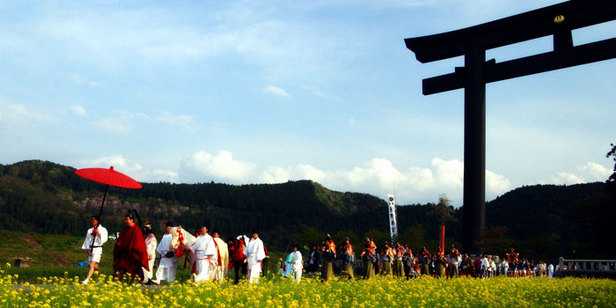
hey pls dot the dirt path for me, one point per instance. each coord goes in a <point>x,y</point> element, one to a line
<point>35,244</point>
<point>32,241</point>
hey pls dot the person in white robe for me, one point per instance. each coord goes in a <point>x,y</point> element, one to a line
<point>296,263</point>
<point>255,253</point>
<point>150,245</point>
<point>93,244</point>
<point>204,250</point>
<point>221,264</point>
<point>168,265</point>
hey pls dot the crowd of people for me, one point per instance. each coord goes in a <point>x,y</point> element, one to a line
<point>399,260</point>
<point>135,250</point>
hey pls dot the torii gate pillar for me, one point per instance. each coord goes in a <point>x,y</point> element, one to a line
<point>474,148</point>
<point>557,21</point>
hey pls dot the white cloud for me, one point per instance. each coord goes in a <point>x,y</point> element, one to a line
<point>184,121</point>
<point>563,178</point>
<point>449,173</point>
<point>16,120</point>
<point>276,91</point>
<point>377,176</point>
<point>594,172</point>
<point>221,166</point>
<point>496,184</point>
<point>588,172</point>
<point>82,80</point>
<point>19,112</point>
<point>160,175</point>
<point>317,92</point>
<point>274,175</point>
<point>114,125</point>
<point>78,110</point>
<point>120,122</point>
<point>120,164</point>
<point>309,172</point>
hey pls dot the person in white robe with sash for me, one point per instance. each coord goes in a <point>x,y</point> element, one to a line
<point>255,254</point>
<point>93,244</point>
<point>204,250</point>
<point>168,265</point>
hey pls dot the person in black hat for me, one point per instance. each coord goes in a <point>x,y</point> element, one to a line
<point>93,244</point>
<point>129,253</point>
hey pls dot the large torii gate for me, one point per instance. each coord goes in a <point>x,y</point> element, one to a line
<point>556,20</point>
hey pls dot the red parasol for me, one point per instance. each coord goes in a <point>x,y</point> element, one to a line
<point>108,177</point>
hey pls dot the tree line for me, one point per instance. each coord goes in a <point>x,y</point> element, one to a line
<point>44,197</point>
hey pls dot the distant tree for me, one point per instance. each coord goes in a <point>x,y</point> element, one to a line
<point>611,181</point>
<point>341,236</point>
<point>379,237</point>
<point>495,241</point>
<point>413,237</point>
<point>310,236</point>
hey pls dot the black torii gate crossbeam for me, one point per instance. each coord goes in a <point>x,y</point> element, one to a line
<point>558,21</point>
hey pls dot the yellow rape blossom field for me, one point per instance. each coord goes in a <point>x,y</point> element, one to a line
<point>378,292</point>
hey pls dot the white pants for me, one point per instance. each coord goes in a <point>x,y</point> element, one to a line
<point>297,272</point>
<point>147,275</point>
<point>96,257</point>
<point>203,270</point>
<point>166,273</point>
<point>254,270</point>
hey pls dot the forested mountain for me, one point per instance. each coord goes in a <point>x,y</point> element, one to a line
<point>543,221</point>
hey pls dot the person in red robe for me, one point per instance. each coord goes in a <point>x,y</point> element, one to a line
<point>130,253</point>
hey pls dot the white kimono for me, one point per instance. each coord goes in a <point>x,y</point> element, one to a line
<point>296,261</point>
<point>204,250</point>
<point>254,253</point>
<point>167,267</point>
<point>97,247</point>
<point>150,245</point>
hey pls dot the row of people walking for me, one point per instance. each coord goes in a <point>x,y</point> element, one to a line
<point>399,260</point>
<point>207,256</point>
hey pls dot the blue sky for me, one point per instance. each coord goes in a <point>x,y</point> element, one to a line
<point>246,92</point>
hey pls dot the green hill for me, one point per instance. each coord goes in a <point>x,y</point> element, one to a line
<point>543,221</point>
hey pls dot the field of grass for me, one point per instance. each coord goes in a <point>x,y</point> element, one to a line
<point>65,291</point>
<point>53,281</point>
<point>43,249</point>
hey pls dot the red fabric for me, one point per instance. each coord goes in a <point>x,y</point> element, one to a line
<point>109,177</point>
<point>217,252</point>
<point>130,252</point>
<point>181,250</point>
<point>236,250</point>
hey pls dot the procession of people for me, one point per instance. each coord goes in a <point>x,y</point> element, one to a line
<point>135,250</point>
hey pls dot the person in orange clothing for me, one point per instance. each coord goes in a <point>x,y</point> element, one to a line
<point>348,258</point>
<point>387,258</point>
<point>399,252</point>
<point>328,260</point>
<point>424,261</point>
<point>369,256</point>
<point>130,253</point>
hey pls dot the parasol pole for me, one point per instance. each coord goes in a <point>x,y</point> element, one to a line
<point>100,212</point>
